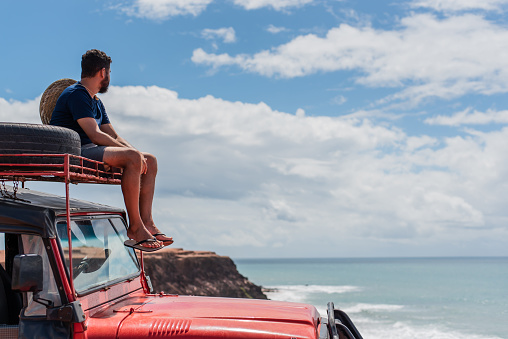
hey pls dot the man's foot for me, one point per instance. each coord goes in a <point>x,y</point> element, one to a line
<point>163,238</point>
<point>140,245</point>
<point>142,236</point>
<point>150,226</point>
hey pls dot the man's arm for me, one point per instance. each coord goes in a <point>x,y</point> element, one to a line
<point>102,137</point>
<point>98,137</point>
<point>109,130</point>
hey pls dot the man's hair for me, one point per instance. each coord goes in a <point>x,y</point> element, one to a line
<point>92,62</point>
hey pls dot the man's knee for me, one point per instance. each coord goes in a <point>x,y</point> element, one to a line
<point>135,157</point>
<point>128,158</point>
<point>151,162</point>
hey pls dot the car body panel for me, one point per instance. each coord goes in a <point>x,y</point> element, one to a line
<point>204,317</point>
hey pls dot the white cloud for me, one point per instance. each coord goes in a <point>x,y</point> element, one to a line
<point>460,5</point>
<point>19,111</point>
<point>227,34</point>
<point>429,57</point>
<point>275,4</point>
<point>275,30</point>
<point>339,100</point>
<point>470,117</point>
<point>213,116</point>
<point>256,172</point>
<point>258,180</point>
<point>164,9</point>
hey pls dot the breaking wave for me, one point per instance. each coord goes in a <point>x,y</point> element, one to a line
<point>300,293</point>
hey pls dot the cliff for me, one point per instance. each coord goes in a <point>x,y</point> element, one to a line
<point>174,270</point>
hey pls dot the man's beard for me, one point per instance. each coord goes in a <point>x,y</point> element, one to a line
<point>104,85</point>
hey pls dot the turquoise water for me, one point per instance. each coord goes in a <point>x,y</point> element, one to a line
<point>433,298</point>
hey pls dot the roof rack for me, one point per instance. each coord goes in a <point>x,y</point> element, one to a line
<point>62,168</point>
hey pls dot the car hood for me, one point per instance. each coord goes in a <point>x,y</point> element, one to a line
<point>207,317</point>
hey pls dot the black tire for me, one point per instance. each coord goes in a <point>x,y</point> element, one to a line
<point>18,138</point>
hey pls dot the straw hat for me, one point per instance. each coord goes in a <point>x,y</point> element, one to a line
<point>50,96</point>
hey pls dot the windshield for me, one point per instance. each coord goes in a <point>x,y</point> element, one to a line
<point>99,256</point>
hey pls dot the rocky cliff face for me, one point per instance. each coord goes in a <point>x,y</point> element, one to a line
<point>178,271</point>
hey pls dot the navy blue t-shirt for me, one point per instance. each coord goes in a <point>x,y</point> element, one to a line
<point>75,103</point>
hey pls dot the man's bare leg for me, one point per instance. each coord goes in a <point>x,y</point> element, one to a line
<point>146,198</point>
<point>131,162</point>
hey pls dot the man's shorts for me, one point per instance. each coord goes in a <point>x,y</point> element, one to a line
<point>92,151</point>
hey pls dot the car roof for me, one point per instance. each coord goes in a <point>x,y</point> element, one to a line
<point>37,212</point>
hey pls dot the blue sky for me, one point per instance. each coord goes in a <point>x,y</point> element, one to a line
<point>291,128</point>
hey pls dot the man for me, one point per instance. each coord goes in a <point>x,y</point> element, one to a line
<point>78,108</point>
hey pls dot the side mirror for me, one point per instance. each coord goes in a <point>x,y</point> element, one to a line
<point>27,273</point>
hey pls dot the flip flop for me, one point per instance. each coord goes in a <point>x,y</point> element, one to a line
<point>137,245</point>
<point>164,242</point>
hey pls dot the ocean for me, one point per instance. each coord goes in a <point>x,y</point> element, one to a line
<point>399,298</point>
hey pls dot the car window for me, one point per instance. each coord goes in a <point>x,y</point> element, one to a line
<point>99,256</point>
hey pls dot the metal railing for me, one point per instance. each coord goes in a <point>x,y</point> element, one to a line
<point>62,167</point>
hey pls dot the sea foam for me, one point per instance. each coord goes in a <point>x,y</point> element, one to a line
<point>300,293</point>
<point>372,308</point>
<point>374,330</point>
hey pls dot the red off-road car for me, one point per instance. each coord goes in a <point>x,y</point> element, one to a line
<point>67,273</point>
